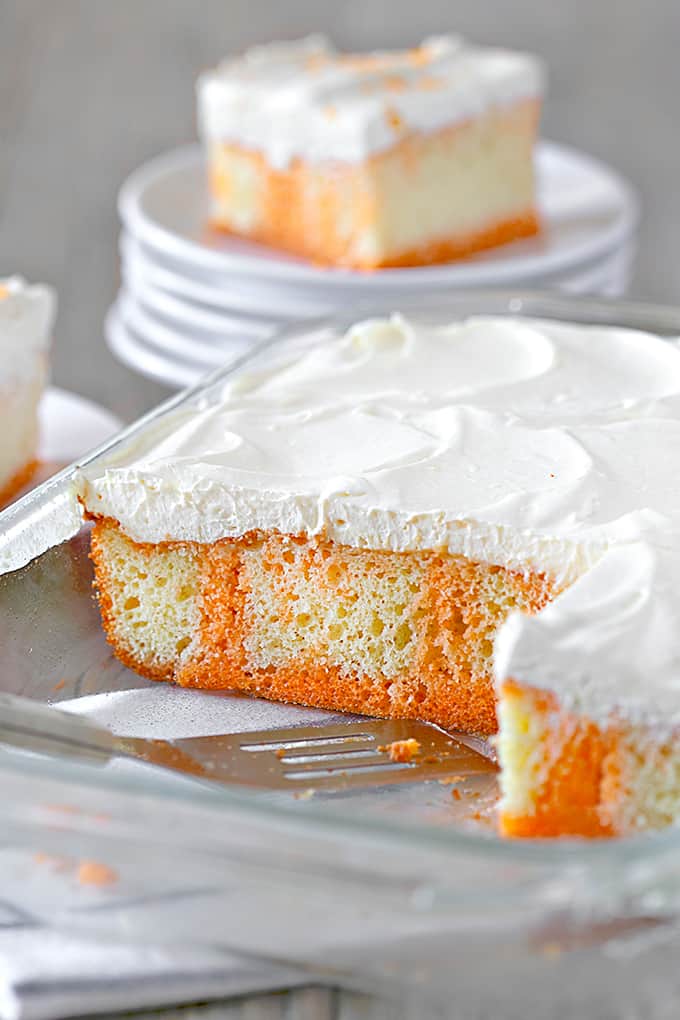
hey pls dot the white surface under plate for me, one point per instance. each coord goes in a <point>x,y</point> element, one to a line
<point>587,211</point>
<point>71,425</point>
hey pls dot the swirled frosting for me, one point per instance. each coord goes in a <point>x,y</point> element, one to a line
<point>303,99</point>
<point>26,315</point>
<point>516,441</point>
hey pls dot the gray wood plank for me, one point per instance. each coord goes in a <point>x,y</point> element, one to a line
<point>311,1004</point>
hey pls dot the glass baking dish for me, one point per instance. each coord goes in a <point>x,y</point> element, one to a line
<point>399,891</point>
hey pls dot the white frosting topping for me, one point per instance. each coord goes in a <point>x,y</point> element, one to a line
<point>26,317</point>
<point>515,440</point>
<point>303,99</point>
<point>526,443</point>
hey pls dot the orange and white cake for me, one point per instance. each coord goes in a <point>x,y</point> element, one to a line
<point>377,159</point>
<point>474,524</point>
<point>26,314</point>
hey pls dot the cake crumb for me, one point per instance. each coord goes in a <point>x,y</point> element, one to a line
<point>401,750</point>
<point>305,794</point>
<point>96,873</point>
<point>450,780</point>
<point>551,950</point>
<point>394,119</point>
<point>455,793</point>
<point>59,685</point>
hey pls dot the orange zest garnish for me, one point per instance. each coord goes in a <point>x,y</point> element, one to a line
<point>96,873</point>
<point>393,118</point>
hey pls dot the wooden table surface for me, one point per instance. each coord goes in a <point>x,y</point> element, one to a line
<point>303,1004</point>
<point>90,88</point>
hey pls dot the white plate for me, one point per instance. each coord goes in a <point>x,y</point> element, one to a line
<point>142,357</point>
<point>237,294</point>
<point>193,326</point>
<point>586,207</point>
<point>71,425</point>
<point>201,349</point>
<point>265,304</point>
<point>190,314</point>
<point>191,318</point>
<point>145,267</point>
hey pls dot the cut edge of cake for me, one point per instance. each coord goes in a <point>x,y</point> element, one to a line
<point>305,620</point>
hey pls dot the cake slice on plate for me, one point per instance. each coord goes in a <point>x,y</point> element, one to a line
<point>470,524</point>
<point>26,314</point>
<point>382,159</point>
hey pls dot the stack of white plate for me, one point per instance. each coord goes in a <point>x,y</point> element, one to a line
<point>191,299</point>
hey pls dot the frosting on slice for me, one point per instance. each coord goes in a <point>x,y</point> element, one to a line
<point>304,99</point>
<point>26,317</point>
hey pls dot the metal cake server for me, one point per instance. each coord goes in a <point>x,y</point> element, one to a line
<point>340,756</point>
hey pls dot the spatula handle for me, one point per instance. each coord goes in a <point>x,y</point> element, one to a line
<point>33,726</point>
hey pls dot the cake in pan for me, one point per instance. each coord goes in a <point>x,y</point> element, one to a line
<point>473,524</point>
<point>379,159</point>
<point>26,314</point>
